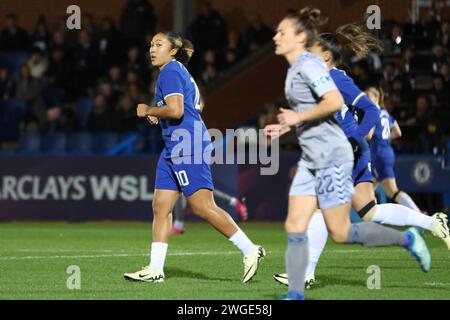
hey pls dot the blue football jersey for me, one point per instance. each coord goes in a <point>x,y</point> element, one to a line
<point>359,114</point>
<point>186,136</point>
<point>351,94</point>
<point>381,138</point>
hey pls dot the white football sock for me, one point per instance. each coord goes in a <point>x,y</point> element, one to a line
<point>243,243</point>
<point>317,238</point>
<point>405,200</point>
<point>158,255</point>
<point>398,215</point>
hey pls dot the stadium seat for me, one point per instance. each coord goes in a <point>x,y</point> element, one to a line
<point>10,118</point>
<point>13,61</point>
<point>83,107</point>
<point>5,153</point>
<point>54,143</point>
<point>79,143</point>
<point>104,141</point>
<point>30,144</point>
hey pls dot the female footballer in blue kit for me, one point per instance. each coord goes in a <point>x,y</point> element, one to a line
<point>383,157</point>
<point>323,179</point>
<point>356,102</point>
<point>183,165</point>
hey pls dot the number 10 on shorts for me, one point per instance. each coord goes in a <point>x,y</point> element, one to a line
<point>182,178</point>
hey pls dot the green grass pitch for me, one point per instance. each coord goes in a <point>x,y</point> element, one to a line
<point>201,264</point>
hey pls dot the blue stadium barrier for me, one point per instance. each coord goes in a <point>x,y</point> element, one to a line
<point>126,146</point>
<point>83,107</point>
<point>103,142</point>
<point>79,143</point>
<point>30,144</point>
<point>54,143</point>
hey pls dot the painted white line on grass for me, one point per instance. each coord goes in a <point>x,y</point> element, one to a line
<point>120,255</point>
<point>437,284</point>
<point>176,253</point>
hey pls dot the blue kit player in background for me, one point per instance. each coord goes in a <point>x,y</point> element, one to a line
<point>323,179</point>
<point>383,160</point>
<point>183,166</point>
<point>329,47</point>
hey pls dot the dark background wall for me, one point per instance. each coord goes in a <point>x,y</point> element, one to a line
<point>235,11</point>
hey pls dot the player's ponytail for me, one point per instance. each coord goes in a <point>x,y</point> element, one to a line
<point>308,20</point>
<point>357,39</point>
<point>351,37</point>
<point>185,53</point>
<point>185,48</point>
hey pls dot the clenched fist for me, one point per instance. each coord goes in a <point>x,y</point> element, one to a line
<point>142,110</point>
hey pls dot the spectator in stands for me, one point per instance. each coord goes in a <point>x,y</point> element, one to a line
<point>102,117</point>
<point>439,93</point>
<point>209,74</point>
<point>62,119</point>
<point>59,42</point>
<point>428,26</point>
<point>439,57</point>
<point>37,63</point>
<point>444,71</point>
<point>109,44</point>
<point>389,75</point>
<point>422,114</point>
<point>7,85</point>
<point>132,77</point>
<point>13,37</point>
<point>407,58</point>
<point>29,90</point>
<point>432,140</point>
<point>444,35</point>
<point>60,72</point>
<point>208,31</point>
<point>136,93</point>
<point>107,91</point>
<point>115,80</point>
<point>90,27</point>
<point>136,63</point>
<point>231,58</point>
<point>86,62</point>
<point>41,37</point>
<point>137,20</point>
<point>396,41</point>
<point>256,34</point>
<point>126,115</point>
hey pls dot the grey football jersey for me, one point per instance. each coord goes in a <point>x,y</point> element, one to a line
<point>322,141</point>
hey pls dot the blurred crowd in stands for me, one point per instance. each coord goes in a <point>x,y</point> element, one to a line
<point>413,71</point>
<point>58,80</point>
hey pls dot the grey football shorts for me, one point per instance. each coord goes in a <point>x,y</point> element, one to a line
<point>333,186</point>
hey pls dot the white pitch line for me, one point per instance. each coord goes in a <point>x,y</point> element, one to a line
<point>176,253</point>
<point>119,255</point>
